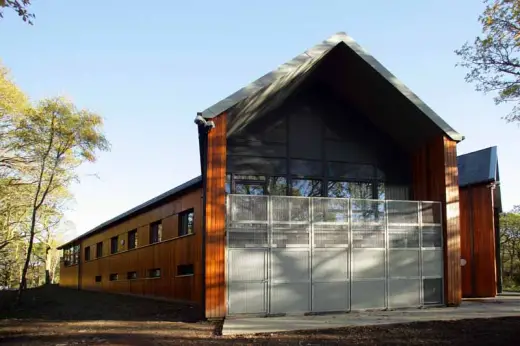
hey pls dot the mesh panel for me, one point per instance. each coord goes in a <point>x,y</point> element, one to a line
<point>368,228</point>
<point>287,209</point>
<point>431,212</point>
<point>248,208</point>
<point>403,212</point>
<point>330,210</point>
<point>247,235</point>
<point>432,236</point>
<point>405,237</point>
<point>290,235</point>
<point>327,235</point>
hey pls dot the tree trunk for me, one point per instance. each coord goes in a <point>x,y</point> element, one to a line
<point>48,261</point>
<point>23,281</point>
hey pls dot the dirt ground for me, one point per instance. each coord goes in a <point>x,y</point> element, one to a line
<point>57,316</point>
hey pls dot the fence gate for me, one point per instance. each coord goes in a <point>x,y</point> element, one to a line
<point>301,254</point>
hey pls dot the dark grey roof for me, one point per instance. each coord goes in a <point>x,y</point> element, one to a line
<point>283,76</point>
<point>176,190</point>
<point>478,167</point>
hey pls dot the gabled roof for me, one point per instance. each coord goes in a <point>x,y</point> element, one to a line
<point>478,167</point>
<point>140,208</point>
<point>289,73</point>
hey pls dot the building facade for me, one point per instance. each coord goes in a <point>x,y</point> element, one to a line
<point>326,185</point>
<point>480,207</point>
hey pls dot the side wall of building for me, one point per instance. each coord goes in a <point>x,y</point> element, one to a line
<point>478,241</point>
<point>68,275</point>
<point>436,179</point>
<point>99,273</point>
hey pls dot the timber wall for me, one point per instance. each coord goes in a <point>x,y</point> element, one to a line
<point>215,303</point>
<point>68,275</point>
<point>165,255</point>
<point>435,178</point>
<point>478,241</point>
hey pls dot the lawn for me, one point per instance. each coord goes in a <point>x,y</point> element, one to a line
<point>56,316</point>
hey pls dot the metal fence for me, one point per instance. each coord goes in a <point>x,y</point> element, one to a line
<point>300,254</point>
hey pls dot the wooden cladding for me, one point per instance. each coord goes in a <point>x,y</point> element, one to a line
<point>477,225</point>
<point>435,178</point>
<point>215,301</point>
<point>127,271</point>
<point>68,275</point>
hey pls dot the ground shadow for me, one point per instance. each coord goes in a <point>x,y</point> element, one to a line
<point>54,303</point>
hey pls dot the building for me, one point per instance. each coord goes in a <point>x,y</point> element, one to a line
<point>326,185</point>
<point>480,206</point>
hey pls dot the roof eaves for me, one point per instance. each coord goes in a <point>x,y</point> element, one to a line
<point>317,51</point>
<point>493,163</point>
<point>176,190</point>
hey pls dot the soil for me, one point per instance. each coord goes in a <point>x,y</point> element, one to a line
<point>52,315</point>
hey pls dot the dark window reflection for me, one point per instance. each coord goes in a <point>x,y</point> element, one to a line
<point>343,189</point>
<point>306,187</point>
<point>381,191</point>
<point>278,186</point>
<point>249,189</point>
<point>228,183</point>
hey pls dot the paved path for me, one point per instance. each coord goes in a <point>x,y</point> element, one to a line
<point>475,308</point>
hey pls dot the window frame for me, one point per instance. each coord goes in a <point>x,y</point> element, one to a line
<point>113,277</point>
<point>130,275</point>
<point>185,270</point>
<point>99,249</point>
<point>132,235</point>
<point>87,253</point>
<point>155,232</point>
<point>183,219</point>
<point>154,270</point>
<point>100,277</point>
<point>114,245</point>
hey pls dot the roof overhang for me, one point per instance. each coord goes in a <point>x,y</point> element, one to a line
<point>193,183</point>
<point>268,91</point>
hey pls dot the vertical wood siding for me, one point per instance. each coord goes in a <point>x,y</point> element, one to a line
<point>435,177</point>
<point>165,255</point>
<point>478,241</point>
<point>215,220</point>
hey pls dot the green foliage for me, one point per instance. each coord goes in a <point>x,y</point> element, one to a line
<point>510,248</point>
<point>20,7</point>
<point>41,147</point>
<point>493,58</point>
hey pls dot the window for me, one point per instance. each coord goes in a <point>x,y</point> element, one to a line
<point>186,222</point>
<point>154,273</point>
<point>87,253</point>
<point>113,245</point>
<point>75,254</point>
<point>99,250</point>
<point>185,269</point>
<point>71,255</point>
<point>113,277</point>
<point>306,188</point>
<point>278,186</point>
<point>249,184</point>
<point>344,189</point>
<point>131,275</point>
<point>156,232</point>
<point>98,278</point>
<point>132,239</point>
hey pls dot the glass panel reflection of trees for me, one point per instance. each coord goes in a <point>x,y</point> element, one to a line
<point>303,187</point>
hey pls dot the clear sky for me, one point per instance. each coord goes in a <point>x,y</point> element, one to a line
<point>148,67</point>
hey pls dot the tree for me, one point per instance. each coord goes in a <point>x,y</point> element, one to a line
<point>55,138</point>
<point>493,58</point>
<point>510,247</point>
<point>20,7</point>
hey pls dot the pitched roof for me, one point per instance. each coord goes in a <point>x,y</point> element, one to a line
<point>478,167</point>
<point>170,193</point>
<point>295,69</point>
